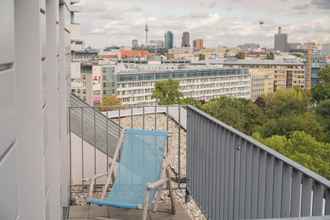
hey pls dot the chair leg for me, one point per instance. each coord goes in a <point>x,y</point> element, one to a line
<point>108,212</point>
<point>88,211</point>
<point>146,205</point>
<point>173,210</point>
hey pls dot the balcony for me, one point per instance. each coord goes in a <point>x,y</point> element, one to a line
<point>217,172</point>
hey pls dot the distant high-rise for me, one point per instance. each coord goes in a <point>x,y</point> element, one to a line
<point>198,44</point>
<point>185,39</point>
<point>281,41</point>
<point>135,44</point>
<point>169,40</point>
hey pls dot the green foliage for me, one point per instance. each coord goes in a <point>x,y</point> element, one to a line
<point>322,90</point>
<point>201,57</point>
<point>286,102</point>
<point>241,114</point>
<point>167,92</point>
<point>286,125</point>
<point>241,55</point>
<point>302,148</point>
<point>270,56</point>
<point>287,121</point>
<point>109,102</point>
<point>191,101</point>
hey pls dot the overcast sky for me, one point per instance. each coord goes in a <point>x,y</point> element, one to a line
<point>221,22</point>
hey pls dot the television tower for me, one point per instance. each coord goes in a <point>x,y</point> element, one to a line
<point>146,29</point>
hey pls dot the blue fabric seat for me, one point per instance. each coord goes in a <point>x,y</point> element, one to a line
<point>140,163</point>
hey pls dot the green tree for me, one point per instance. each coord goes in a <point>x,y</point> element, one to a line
<point>270,56</point>
<point>109,102</point>
<point>302,148</point>
<point>241,55</point>
<point>241,114</point>
<point>322,90</point>
<point>201,56</point>
<point>287,125</point>
<point>167,92</point>
<point>286,102</point>
<point>191,101</point>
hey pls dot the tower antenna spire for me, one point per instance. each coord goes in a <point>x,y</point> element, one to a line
<point>146,29</point>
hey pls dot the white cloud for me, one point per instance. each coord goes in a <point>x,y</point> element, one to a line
<point>225,22</point>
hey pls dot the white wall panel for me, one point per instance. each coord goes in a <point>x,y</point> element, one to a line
<point>7,109</point>
<point>8,190</point>
<point>7,31</point>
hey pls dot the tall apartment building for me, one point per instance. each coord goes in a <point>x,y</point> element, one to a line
<point>313,65</point>
<point>135,44</point>
<point>281,41</point>
<point>198,44</point>
<point>185,42</point>
<point>169,40</point>
<point>34,87</point>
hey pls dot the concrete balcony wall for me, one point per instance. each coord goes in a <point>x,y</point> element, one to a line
<point>33,116</point>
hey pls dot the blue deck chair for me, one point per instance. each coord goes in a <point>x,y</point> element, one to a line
<point>141,172</point>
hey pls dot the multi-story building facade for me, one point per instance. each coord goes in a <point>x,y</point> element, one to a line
<point>198,44</point>
<point>313,65</point>
<point>185,41</point>
<point>135,44</point>
<point>287,73</point>
<point>180,54</point>
<point>262,82</point>
<point>169,40</point>
<point>202,83</point>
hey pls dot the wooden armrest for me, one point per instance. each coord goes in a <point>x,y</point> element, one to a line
<point>157,184</point>
<point>97,176</point>
<point>92,180</point>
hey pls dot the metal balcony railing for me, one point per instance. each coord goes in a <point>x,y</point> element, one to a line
<point>231,176</point>
<point>94,136</point>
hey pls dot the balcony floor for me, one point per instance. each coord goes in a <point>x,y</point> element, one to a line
<point>98,213</point>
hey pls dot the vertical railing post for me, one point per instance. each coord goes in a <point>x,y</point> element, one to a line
<point>70,157</point>
<point>167,128</point>
<point>82,148</point>
<point>143,117</point>
<point>118,121</point>
<point>94,124</point>
<point>179,144</point>
<point>131,116</point>
<point>327,202</point>
<point>107,142</point>
<point>155,117</point>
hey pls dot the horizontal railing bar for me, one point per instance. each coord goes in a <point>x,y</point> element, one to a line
<point>263,147</point>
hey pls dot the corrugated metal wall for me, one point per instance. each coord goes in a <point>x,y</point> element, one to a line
<point>231,176</point>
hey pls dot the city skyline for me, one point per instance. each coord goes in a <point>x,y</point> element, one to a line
<point>224,22</point>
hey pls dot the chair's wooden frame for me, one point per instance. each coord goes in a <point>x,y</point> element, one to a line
<point>158,185</point>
